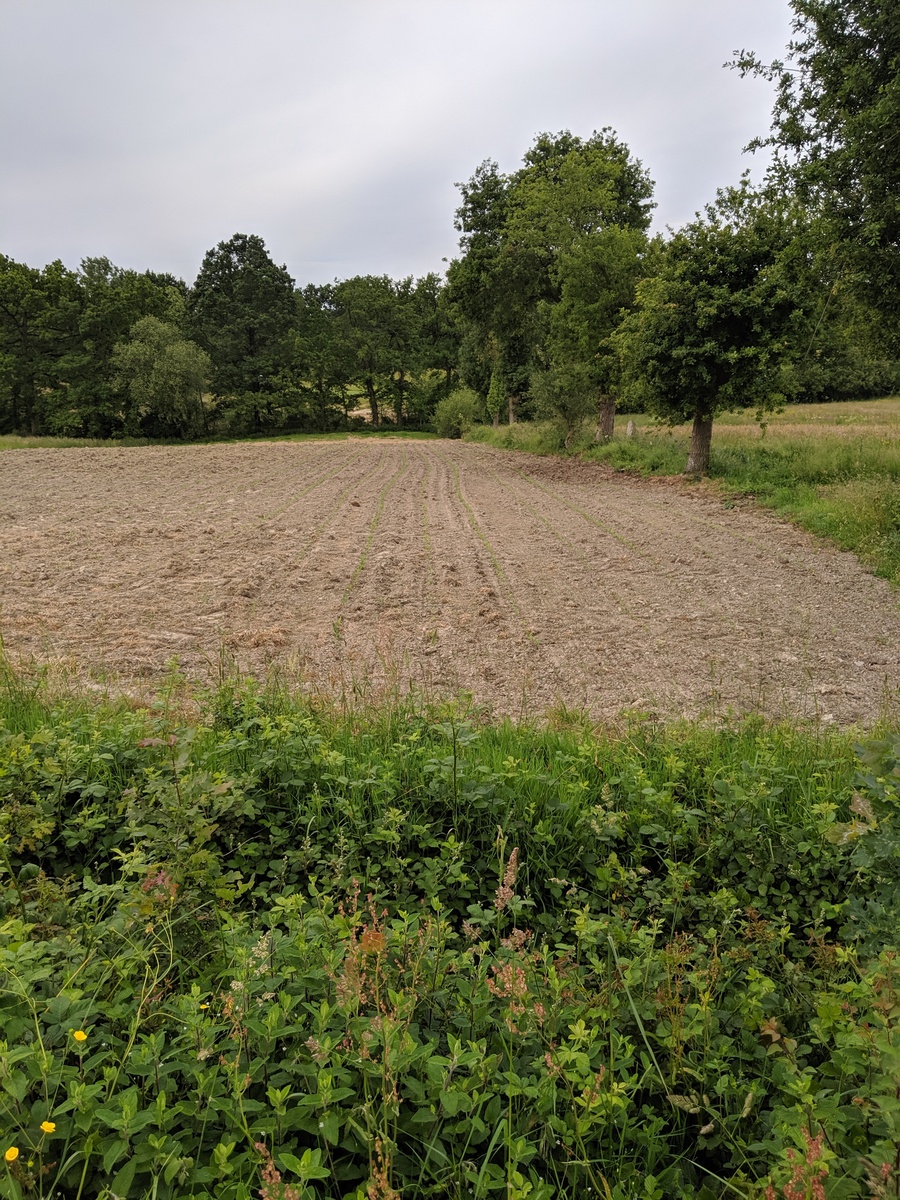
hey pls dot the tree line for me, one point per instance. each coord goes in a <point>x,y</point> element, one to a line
<point>560,304</point>
<point>106,352</point>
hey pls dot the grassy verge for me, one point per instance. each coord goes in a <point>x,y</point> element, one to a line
<point>11,441</point>
<point>301,952</point>
<point>832,468</point>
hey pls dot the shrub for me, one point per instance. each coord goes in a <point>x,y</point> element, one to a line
<point>290,952</point>
<point>457,413</point>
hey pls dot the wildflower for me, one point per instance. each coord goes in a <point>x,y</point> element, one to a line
<point>204,1006</point>
<point>273,1188</point>
<point>48,1126</point>
<point>79,1035</point>
<point>11,1154</point>
<point>372,941</point>
<point>506,890</point>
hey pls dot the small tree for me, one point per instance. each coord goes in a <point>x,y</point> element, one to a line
<point>162,374</point>
<point>712,330</point>
<point>565,395</point>
<point>495,397</point>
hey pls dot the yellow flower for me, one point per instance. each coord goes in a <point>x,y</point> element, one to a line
<point>48,1126</point>
<point>79,1035</point>
<point>12,1154</point>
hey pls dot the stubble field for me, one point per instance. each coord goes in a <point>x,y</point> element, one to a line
<point>361,565</point>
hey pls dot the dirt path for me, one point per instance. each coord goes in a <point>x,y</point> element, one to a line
<point>528,582</point>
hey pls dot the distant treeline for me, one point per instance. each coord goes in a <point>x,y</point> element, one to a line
<point>560,304</point>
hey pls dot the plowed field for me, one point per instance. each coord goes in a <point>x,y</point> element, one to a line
<point>530,583</point>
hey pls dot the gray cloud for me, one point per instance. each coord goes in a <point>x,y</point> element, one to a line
<point>151,130</point>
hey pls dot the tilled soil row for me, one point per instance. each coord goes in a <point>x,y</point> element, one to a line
<point>358,566</point>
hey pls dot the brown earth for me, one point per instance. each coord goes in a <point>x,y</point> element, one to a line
<point>530,583</point>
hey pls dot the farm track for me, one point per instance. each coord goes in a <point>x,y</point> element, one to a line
<point>364,565</point>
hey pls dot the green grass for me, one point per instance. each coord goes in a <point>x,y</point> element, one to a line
<point>401,947</point>
<point>834,469</point>
<point>11,441</point>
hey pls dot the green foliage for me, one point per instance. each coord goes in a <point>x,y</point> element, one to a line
<point>564,395</point>
<point>550,255</point>
<point>457,413</point>
<point>706,331</point>
<point>378,322</point>
<point>837,103</point>
<point>242,309</point>
<point>163,375</point>
<point>496,396</point>
<point>109,301</point>
<point>403,950</point>
<point>57,333</point>
<point>531,437</point>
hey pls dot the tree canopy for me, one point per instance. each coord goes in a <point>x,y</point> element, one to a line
<point>712,328</point>
<point>835,131</point>
<point>551,254</point>
<point>242,311</point>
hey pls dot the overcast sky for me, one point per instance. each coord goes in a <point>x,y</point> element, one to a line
<point>150,130</point>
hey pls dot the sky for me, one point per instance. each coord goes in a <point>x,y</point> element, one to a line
<point>149,131</point>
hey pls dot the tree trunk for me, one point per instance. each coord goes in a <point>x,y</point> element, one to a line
<point>398,411</point>
<point>496,420</point>
<point>513,401</point>
<point>606,418</point>
<point>373,402</point>
<point>701,436</point>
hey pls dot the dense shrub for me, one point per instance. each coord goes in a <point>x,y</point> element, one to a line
<point>457,413</point>
<point>407,954</point>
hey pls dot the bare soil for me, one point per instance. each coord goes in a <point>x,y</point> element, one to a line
<point>361,565</point>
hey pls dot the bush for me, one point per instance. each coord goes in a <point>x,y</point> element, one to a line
<point>457,413</point>
<point>301,953</point>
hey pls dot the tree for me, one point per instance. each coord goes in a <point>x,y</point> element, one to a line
<point>242,311</point>
<point>597,281</point>
<point>494,402</point>
<point>439,337</point>
<point>58,329</point>
<point>163,375</point>
<point>377,321</point>
<point>551,255</point>
<point>584,206</point>
<point>835,122</point>
<point>712,330</point>
<point>322,362</point>
<point>110,300</point>
<point>24,368</point>
<point>495,286</point>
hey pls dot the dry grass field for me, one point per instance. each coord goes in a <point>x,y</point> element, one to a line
<point>355,566</point>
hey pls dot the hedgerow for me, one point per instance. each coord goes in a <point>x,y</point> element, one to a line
<point>291,952</point>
